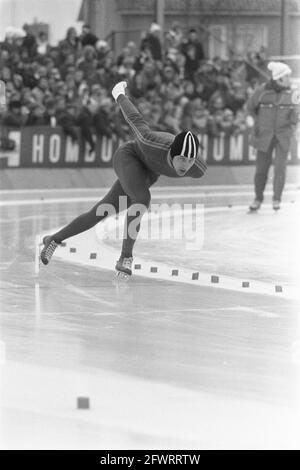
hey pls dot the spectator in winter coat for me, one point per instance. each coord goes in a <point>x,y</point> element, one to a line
<point>275,113</point>
<point>29,41</point>
<point>70,45</point>
<point>85,122</point>
<point>152,42</point>
<point>193,44</point>
<point>87,38</point>
<point>191,62</point>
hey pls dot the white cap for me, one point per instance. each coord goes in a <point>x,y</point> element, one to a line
<point>101,43</point>
<point>279,70</point>
<point>154,27</point>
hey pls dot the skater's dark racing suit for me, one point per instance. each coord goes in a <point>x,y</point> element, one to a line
<point>138,164</point>
<point>150,148</point>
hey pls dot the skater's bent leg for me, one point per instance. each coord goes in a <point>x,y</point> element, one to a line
<point>135,179</point>
<point>90,218</point>
<point>133,221</point>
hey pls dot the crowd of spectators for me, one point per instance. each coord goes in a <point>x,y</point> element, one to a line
<point>174,85</point>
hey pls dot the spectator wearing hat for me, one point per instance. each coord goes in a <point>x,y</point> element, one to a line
<point>152,42</point>
<point>102,49</point>
<point>275,116</point>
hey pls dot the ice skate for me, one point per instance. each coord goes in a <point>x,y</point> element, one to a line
<point>50,246</point>
<point>255,205</point>
<point>123,268</point>
<point>276,205</point>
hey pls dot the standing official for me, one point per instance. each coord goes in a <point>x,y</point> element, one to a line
<point>275,116</point>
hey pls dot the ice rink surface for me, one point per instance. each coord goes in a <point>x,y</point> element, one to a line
<point>168,360</point>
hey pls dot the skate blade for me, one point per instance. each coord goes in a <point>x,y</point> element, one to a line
<point>120,276</point>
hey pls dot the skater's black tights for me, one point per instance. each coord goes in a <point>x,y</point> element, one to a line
<point>133,183</point>
<point>102,209</point>
<point>90,218</point>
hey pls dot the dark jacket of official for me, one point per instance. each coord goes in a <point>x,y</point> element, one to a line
<point>275,115</point>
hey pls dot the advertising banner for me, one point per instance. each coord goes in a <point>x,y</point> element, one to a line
<point>48,147</point>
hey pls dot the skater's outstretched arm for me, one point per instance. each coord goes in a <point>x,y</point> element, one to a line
<point>130,112</point>
<point>140,128</point>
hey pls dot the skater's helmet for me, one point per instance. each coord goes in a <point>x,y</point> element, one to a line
<point>185,144</point>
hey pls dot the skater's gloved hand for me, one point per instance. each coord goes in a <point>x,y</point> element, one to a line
<point>119,89</point>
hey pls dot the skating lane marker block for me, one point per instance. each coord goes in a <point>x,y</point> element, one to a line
<point>153,269</point>
<point>278,288</point>
<point>214,279</point>
<point>174,272</point>
<point>195,276</point>
<point>83,403</point>
<point>93,255</point>
<point>72,250</point>
<point>63,244</point>
<point>245,284</point>
<point>137,266</point>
